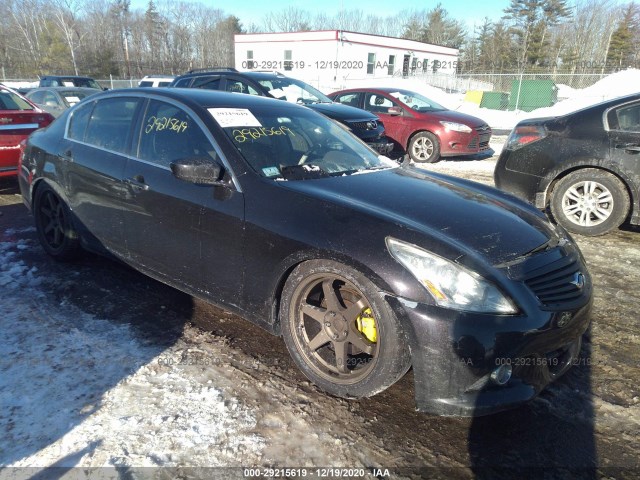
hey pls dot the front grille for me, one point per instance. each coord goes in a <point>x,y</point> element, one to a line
<point>557,283</point>
<point>368,125</point>
<point>481,142</point>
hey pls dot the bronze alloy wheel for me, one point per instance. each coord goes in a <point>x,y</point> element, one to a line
<point>328,309</point>
<point>340,330</point>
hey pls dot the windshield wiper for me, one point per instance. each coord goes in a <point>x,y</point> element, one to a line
<point>302,172</point>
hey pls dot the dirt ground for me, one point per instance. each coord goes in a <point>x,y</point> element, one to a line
<point>586,425</point>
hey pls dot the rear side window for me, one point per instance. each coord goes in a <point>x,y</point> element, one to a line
<point>626,119</point>
<point>209,83</point>
<point>183,83</point>
<point>12,101</point>
<point>78,122</point>
<point>110,123</point>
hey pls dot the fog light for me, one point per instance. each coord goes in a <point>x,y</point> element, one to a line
<point>502,374</point>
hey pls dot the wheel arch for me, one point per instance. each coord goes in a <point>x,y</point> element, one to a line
<point>416,132</point>
<point>288,265</point>
<point>556,176</point>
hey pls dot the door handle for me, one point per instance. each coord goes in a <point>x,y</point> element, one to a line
<point>629,147</point>
<point>137,182</point>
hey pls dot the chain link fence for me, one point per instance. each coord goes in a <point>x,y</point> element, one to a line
<point>518,91</point>
<point>498,91</point>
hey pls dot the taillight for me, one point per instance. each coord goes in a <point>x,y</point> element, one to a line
<point>22,145</point>
<point>524,134</point>
<point>44,120</point>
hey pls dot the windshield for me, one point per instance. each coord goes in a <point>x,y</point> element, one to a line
<point>417,102</point>
<point>295,144</point>
<point>294,91</point>
<point>12,101</point>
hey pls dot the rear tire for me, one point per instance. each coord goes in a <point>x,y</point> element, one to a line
<point>590,202</point>
<point>53,224</point>
<point>324,308</point>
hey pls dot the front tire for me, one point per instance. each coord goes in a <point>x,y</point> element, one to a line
<point>424,147</point>
<point>53,224</point>
<point>590,202</point>
<point>340,332</point>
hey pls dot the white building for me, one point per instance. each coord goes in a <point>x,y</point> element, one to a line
<point>331,58</point>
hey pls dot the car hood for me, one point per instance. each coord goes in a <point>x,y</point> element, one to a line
<point>341,112</point>
<point>452,116</point>
<point>478,220</point>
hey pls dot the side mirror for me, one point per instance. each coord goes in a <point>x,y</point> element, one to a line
<point>394,111</point>
<point>198,170</point>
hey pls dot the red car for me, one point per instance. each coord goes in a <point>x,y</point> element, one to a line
<point>18,118</point>
<point>419,126</point>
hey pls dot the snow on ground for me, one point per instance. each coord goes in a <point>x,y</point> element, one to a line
<point>78,390</point>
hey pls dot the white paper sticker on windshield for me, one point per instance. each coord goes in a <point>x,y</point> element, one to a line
<point>234,117</point>
<point>68,83</point>
<point>73,100</point>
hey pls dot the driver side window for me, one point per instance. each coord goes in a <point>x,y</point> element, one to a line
<point>378,104</point>
<point>168,134</point>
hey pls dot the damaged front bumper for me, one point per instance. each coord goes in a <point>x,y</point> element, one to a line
<point>454,355</point>
<point>383,146</point>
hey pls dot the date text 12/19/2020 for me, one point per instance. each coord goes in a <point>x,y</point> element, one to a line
<point>419,65</point>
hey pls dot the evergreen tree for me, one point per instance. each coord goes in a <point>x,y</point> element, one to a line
<point>529,22</point>
<point>623,45</point>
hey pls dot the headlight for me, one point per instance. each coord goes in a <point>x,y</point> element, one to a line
<point>456,127</point>
<point>450,285</point>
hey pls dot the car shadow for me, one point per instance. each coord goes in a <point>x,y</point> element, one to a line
<point>71,333</point>
<point>551,437</point>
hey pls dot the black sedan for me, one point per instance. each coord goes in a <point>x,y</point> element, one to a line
<point>277,213</point>
<point>583,166</point>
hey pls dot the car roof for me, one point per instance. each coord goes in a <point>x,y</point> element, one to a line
<point>147,77</point>
<point>66,76</point>
<point>202,97</point>
<point>65,89</point>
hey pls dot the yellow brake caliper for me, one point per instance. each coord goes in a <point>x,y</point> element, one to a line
<point>367,325</point>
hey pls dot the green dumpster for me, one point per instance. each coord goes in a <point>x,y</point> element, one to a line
<point>495,100</point>
<point>532,94</point>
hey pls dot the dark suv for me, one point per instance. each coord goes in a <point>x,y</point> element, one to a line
<point>365,125</point>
